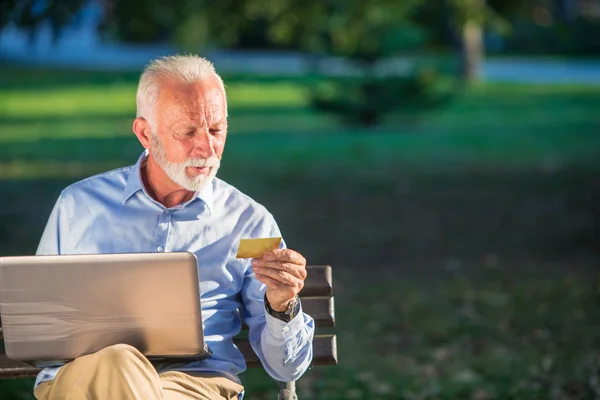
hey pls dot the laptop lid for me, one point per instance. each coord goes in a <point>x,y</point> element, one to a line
<point>57,308</point>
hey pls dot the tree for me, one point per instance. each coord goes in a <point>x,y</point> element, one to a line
<point>30,14</point>
<point>347,28</point>
<point>468,20</point>
<point>462,23</point>
<point>362,33</point>
<point>361,29</point>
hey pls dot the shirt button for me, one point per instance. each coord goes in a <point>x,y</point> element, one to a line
<point>168,212</point>
<point>159,248</point>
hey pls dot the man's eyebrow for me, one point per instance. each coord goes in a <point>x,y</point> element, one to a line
<point>219,122</point>
<point>182,125</point>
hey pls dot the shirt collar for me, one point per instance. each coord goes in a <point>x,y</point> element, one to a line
<point>134,184</point>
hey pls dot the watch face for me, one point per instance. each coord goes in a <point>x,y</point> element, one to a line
<point>293,307</point>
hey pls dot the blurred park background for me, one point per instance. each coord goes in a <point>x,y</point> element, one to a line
<point>442,155</point>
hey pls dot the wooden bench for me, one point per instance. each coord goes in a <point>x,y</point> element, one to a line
<point>317,301</point>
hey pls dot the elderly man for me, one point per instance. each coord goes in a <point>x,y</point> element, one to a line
<point>170,200</point>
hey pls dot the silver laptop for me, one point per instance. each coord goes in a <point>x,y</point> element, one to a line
<point>57,308</point>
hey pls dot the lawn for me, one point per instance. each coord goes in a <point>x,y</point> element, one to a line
<point>464,244</point>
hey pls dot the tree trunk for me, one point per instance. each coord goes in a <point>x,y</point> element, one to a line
<point>472,51</point>
<point>469,35</point>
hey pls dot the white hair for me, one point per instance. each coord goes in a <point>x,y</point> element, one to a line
<point>188,69</point>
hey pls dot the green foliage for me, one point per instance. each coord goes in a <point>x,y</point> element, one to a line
<point>363,33</point>
<point>479,12</point>
<point>444,19</point>
<point>355,29</point>
<point>366,101</point>
<point>575,38</point>
<point>364,30</point>
<point>144,21</point>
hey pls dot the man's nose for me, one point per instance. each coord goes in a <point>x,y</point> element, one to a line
<point>203,145</point>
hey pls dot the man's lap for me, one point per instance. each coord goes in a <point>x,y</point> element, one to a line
<point>175,386</point>
<point>121,372</point>
<point>181,386</point>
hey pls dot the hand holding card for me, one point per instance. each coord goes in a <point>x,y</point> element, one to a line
<point>283,271</point>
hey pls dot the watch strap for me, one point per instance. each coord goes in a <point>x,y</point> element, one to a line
<point>287,315</point>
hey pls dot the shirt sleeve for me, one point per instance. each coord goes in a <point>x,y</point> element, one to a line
<point>52,243</point>
<point>55,234</point>
<point>284,348</point>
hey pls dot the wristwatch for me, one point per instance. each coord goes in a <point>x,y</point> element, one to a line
<point>287,315</point>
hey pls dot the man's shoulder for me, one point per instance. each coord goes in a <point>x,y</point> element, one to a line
<point>232,197</point>
<point>105,182</point>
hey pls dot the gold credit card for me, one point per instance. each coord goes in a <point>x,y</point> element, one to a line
<point>255,248</point>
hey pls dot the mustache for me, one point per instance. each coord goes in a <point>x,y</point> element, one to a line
<point>212,162</point>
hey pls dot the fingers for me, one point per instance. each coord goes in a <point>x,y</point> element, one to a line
<point>285,260</point>
<point>298,271</point>
<point>285,255</point>
<point>269,282</point>
<point>280,283</point>
<point>280,276</point>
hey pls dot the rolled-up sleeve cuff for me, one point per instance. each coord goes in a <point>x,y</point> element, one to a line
<point>282,331</point>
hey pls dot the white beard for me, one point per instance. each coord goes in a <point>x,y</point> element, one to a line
<point>176,171</point>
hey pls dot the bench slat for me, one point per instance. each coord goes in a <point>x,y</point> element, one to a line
<point>318,281</point>
<point>15,369</point>
<point>321,309</point>
<point>324,348</point>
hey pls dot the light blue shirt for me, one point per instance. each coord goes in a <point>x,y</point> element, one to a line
<point>112,213</point>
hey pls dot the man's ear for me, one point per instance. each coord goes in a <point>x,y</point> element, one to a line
<point>142,130</point>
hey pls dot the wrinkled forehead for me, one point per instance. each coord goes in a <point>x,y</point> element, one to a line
<point>204,99</point>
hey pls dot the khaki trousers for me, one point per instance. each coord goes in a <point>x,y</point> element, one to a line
<point>121,372</point>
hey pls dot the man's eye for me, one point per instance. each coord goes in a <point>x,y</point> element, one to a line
<point>215,131</point>
<point>190,133</point>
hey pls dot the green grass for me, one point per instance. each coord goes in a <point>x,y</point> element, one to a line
<point>497,124</point>
<point>464,242</point>
<point>457,337</point>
